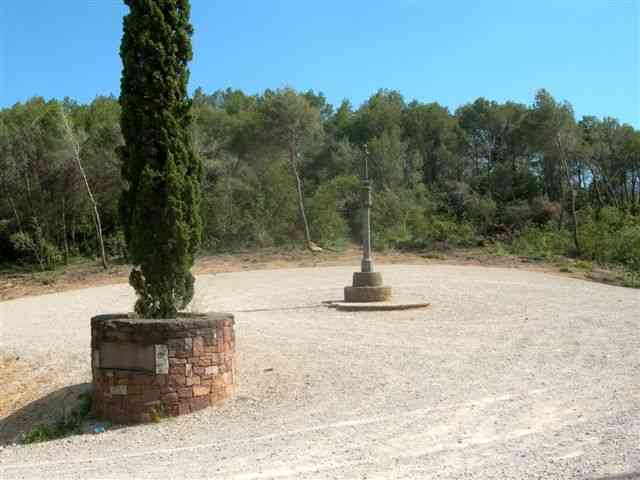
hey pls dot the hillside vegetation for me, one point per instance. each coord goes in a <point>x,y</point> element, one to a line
<point>284,167</point>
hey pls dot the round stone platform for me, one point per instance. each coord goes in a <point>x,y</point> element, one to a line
<point>376,306</point>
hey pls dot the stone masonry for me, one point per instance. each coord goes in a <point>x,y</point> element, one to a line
<point>147,369</point>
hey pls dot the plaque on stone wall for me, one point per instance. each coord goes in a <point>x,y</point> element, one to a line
<point>134,357</point>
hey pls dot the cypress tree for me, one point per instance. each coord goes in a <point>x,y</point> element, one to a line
<point>160,205</point>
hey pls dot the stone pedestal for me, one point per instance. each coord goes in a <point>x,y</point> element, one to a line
<point>144,369</point>
<point>367,287</point>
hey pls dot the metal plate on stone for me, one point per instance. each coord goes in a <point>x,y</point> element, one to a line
<point>128,356</point>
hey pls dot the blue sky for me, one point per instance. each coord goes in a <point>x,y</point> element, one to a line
<point>583,51</point>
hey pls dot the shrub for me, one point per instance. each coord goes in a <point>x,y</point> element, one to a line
<point>544,211</point>
<point>248,211</point>
<point>542,242</point>
<point>36,249</point>
<point>517,214</point>
<point>481,211</point>
<point>116,245</point>
<point>389,219</point>
<point>415,219</point>
<point>330,207</point>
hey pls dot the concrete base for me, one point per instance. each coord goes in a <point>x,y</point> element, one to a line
<point>376,306</point>
<point>367,279</point>
<point>367,294</point>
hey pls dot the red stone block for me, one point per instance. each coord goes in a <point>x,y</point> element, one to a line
<point>141,379</point>
<point>200,390</point>
<point>205,362</point>
<point>199,403</point>
<point>228,332</point>
<point>134,389</point>
<point>143,418</point>
<point>185,392</point>
<point>198,346</point>
<point>167,389</point>
<point>176,380</point>
<point>151,394</point>
<point>177,370</point>
<point>171,397</point>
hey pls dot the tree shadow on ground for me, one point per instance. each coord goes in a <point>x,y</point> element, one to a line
<point>45,410</point>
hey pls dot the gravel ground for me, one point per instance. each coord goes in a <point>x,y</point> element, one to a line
<point>509,374</point>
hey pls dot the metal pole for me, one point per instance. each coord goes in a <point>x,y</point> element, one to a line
<point>367,262</point>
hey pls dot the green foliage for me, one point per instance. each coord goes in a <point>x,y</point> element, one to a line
<point>248,210</point>
<point>416,219</point>
<point>502,173</point>
<point>611,236</point>
<point>331,206</point>
<point>116,245</point>
<point>36,248</point>
<point>387,159</point>
<point>160,206</point>
<point>542,242</point>
<point>481,211</point>
<point>64,426</point>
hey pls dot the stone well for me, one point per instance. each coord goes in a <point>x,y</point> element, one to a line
<point>146,369</point>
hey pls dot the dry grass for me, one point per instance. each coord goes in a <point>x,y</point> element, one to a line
<point>86,274</point>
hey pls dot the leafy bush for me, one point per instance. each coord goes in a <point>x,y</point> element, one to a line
<point>542,242</point>
<point>416,219</point>
<point>390,214</point>
<point>480,210</point>
<point>116,245</point>
<point>330,207</point>
<point>245,210</point>
<point>610,236</point>
<point>517,214</point>
<point>544,211</point>
<point>36,249</point>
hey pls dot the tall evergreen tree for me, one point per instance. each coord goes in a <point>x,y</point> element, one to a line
<point>161,203</point>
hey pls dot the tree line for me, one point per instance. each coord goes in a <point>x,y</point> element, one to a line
<point>283,167</point>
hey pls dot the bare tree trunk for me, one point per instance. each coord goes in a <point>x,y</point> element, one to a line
<point>74,244</point>
<point>38,249</point>
<point>562,208</point>
<point>303,215</point>
<point>574,222</point>
<point>76,152</point>
<point>64,233</point>
<point>15,212</point>
<point>574,215</point>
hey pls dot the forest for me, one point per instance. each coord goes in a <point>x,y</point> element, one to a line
<point>283,169</point>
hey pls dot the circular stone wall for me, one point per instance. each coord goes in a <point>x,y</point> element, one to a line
<point>144,370</point>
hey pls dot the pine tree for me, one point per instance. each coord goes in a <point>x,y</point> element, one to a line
<point>160,206</point>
